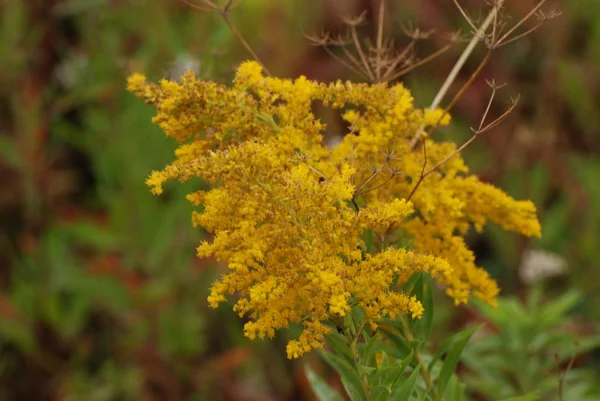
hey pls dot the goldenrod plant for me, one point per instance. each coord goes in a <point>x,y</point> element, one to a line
<point>346,240</point>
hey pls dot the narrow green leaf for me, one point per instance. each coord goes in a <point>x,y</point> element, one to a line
<point>358,318</point>
<point>459,343</point>
<point>350,378</point>
<point>427,301</point>
<point>269,120</point>
<point>321,389</point>
<point>449,342</point>
<point>455,391</point>
<point>422,289</point>
<point>553,312</point>
<point>400,344</point>
<point>390,375</point>
<point>403,391</point>
<point>365,370</point>
<point>369,349</point>
<point>339,345</point>
<point>368,238</point>
<point>380,393</point>
<point>411,282</point>
<point>459,392</point>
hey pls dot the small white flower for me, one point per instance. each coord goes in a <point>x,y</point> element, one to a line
<point>537,265</point>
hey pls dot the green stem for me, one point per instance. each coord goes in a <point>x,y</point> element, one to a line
<point>353,341</point>
<point>424,372</point>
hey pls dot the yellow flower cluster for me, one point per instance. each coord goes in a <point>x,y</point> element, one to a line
<point>289,214</point>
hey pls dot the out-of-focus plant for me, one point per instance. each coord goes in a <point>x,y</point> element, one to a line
<point>528,347</point>
<point>99,297</point>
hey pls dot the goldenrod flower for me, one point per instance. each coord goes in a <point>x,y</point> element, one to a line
<point>289,214</point>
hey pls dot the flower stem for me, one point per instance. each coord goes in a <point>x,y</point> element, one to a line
<point>353,341</point>
<point>424,372</point>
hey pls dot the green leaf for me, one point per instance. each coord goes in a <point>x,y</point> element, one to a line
<point>403,391</point>
<point>402,348</point>
<point>350,378</point>
<point>458,343</point>
<point>9,152</point>
<point>527,397</point>
<point>358,317</point>
<point>380,393</point>
<point>268,119</point>
<point>368,238</point>
<point>339,345</point>
<point>455,390</point>
<point>422,289</point>
<point>390,375</point>
<point>364,370</point>
<point>444,347</point>
<point>89,233</point>
<point>369,348</point>
<point>535,297</point>
<point>18,333</point>
<point>106,291</point>
<point>321,389</point>
<point>553,313</point>
<point>409,286</point>
<point>384,363</point>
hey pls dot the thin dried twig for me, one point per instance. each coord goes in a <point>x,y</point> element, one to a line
<point>376,61</point>
<point>237,33</point>
<point>422,175</point>
<point>373,175</point>
<point>361,53</point>
<point>562,375</point>
<point>465,55</point>
<point>476,133</point>
<point>392,176</point>
<point>343,62</point>
<point>325,40</point>
<point>520,35</point>
<point>460,63</point>
<point>454,100</point>
<point>494,87</point>
<point>498,120</point>
<point>465,15</point>
<point>419,63</point>
<point>518,24</point>
<point>224,13</point>
<point>399,58</point>
<point>318,172</point>
<point>356,62</point>
<point>208,5</point>
<point>542,17</point>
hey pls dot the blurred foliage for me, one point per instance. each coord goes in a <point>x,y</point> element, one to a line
<point>101,296</point>
<point>526,349</point>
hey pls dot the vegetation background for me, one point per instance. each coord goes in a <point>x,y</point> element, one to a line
<point>101,295</point>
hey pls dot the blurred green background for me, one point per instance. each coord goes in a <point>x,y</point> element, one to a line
<point>101,295</point>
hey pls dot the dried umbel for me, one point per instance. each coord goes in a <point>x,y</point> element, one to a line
<point>310,232</point>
